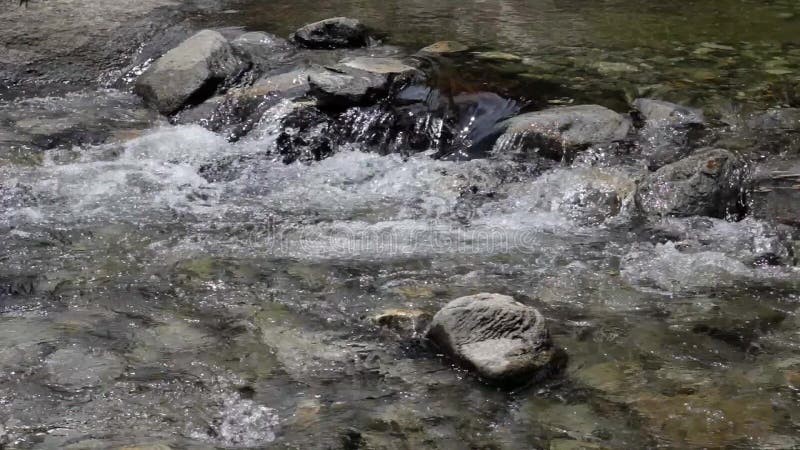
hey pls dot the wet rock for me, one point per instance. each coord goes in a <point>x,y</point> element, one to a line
<point>498,56</point>
<point>189,73</point>
<point>661,113</point>
<point>265,51</point>
<point>356,81</point>
<point>205,114</point>
<point>288,84</point>
<point>305,135</point>
<point>776,191</point>
<point>73,369</point>
<point>559,133</point>
<point>445,47</point>
<point>406,322</point>
<point>667,132</point>
<point>385,66</point>
<point>337,32</point>
<point>502,340</point>
<point>708,183</point>
<point>237,112</point>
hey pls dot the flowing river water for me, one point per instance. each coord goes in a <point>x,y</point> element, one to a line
<point>165,286</point>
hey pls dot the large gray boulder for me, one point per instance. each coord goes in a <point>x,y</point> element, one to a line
<point>502,340</point>
<point>667,132</point>
<point>355,81</point>
<point>189,73</point>
<point>560,132</point>
<point>337,32</point>
<point>708,183</point>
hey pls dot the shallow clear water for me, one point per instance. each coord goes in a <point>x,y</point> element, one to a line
<point>704,53</point>
<point>168,286</point>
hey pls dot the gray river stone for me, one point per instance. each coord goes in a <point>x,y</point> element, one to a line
<point>357,80</point>
<point>659,113</point>
<point>708,183</point>
<point>776,191</point>
<point>668,131</point>
<point>189,72</point>
<point>560,132</point>
<point>337,32</point>
<point>502,340</point>
<point>73,369</point>
<point>266,51</point>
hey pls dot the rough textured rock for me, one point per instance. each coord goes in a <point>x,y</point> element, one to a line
<point>776,191</point>
<point>445,47</point>
<point>356,81</point>
<point>668,132</point>
<point>501,339</point>
<point>189,73</point>
<point>708,183</point>
<point>559,133</point>
<point>337,32</point>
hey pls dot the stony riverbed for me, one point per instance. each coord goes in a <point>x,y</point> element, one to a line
<point>241,244</point>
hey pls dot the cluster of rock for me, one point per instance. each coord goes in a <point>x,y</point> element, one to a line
<point>389,104</point>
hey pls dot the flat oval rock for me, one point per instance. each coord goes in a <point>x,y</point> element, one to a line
<point>502,340</point>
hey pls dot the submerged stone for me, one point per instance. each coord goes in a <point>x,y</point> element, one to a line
<point>708,183</point>
<point>337,32</point>
<point>189,73</point>
<point>445,47</point>
<point>502,340</point>
<point>73,369</point>
<point>560,132</point>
